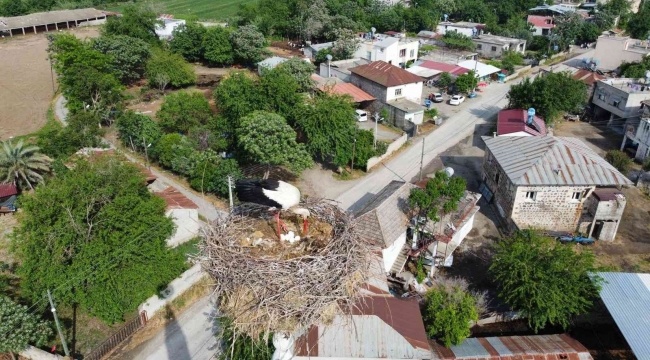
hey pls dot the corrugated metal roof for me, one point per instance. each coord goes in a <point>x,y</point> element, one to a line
<point>50,17</point>
<point>452,69</point>
<point>627,297</point>
<point>422,71</point>
<point>514,120</point>
<point>357,94</point>
<point>608,194</point>
<point>8,190</point>
<point>532,160</point>
<point>540,21</point>
<point>175,199</point>
<point>508,347</point>
<point>385,74</point>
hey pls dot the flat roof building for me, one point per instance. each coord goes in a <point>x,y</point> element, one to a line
<point>49,21</point>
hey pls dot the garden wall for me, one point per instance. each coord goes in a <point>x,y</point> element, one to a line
<point>517,72</point>
<point>175,288</point>
<point>373,161</point>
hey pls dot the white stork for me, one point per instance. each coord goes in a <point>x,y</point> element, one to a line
<point>276,194</point>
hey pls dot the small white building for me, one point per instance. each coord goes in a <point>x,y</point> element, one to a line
<point>492,46</point>
<point>542,25</point>
<point>393,50</point>
<point>269,63</point>
<point>620,99</point>
<point>169,25</point>
<point>464,27</point>
<point>612,51</point>
<point>639,134</point>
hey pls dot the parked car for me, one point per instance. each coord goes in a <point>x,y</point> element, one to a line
<point>579,239</point>
<point>361,115</point>
<point>456,100</point>
<point>437,97</point>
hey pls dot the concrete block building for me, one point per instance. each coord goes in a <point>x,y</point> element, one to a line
<point>492,46</point>
<point>464,27</point>
<point>394,50</point>
<point>553,183</point>
<point>619,99</point>
<point>612,51</point>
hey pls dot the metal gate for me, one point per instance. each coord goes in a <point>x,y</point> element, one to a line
<point>114,340</point>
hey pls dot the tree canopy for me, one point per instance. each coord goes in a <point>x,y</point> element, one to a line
<point>182,111</point>
<point>217,46</point>
<point>20,328</point>
<point>166,68</point>
<point>265,138</point>
<point>22,164</point>
<point>96,236</point>
<point>542,95</point>
<point>547,281</point>
<point>129,55</point>
<point>187,40</point>
<point>440,196</point>
<point>136,22</point>
<point>639,24</point>
<point>448,311</point>
<point>236,96</point>
<point>466,83</point>
<point>248,44</point>
<point>301,72</point>
<point>137,130</point>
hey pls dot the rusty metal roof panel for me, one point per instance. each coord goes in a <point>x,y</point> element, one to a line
<point>385,74</point>
<point>556,161</point>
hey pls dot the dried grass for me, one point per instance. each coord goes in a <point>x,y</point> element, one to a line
<point>278,287</point>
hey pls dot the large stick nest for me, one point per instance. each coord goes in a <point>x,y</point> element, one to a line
<point>266,285</point>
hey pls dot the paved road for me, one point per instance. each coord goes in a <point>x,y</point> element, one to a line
<point>406,165</point>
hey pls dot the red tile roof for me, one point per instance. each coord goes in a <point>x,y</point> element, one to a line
<point>8,190</point>
<point>588,77</point>
<point>175,199</point>
<point>348,89</point>
<point>540,21</point>
<point>452,69</point>
<point>385,74</point>
<point>514,120</point>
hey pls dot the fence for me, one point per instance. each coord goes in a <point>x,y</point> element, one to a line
<point>114,340</point>
<point>515,74</point>
<point>394,146</point>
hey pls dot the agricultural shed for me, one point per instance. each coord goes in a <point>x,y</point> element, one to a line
<point>49,21</point>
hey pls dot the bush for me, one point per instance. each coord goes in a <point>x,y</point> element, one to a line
<point>166,68</point>
<point>456,40</point>
<point>211,175</point>
<point>448,310</point>
<point>171,147</point>
<point>138,130</point>
<point>182,111</point>
<point>619,160</point>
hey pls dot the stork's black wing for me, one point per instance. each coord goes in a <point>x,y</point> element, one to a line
<point>252,190</point>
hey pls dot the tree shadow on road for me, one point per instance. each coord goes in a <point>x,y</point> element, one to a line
<point>175,341</point>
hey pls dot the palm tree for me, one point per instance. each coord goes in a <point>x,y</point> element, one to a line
<point>23,165</point>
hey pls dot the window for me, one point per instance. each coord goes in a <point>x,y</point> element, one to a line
<point>479,47</point>
<point>369,55</point>
<point>601,97</point>
<point>577,195</point>
<point>494,48</point>
<point>398,92</point>
<point>531,195</point>
<point>496,178</point>
<point>402,52</point>
<point>616,103</point>
<point>412,54</point>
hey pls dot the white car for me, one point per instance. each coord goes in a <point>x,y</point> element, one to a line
<point>361,115</point>
<point>456,100</point>
<point>437,97</point>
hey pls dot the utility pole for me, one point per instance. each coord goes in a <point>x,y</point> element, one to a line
<point>422,159</point>
<point>230,192</point>
<point>354,147</point>
<point>374,142</point>
<point>58,326</point>
<point>52,75</point>
<point>146,153</point>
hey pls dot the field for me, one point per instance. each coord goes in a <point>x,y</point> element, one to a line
<point>26,83</point>
<point>203,9</point>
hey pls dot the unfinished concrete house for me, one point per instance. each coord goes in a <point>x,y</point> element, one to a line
<point>554,184</point>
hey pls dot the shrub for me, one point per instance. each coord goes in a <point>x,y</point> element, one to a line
<point>212,176</point>
<point>166,68</point>
<point>619,160</point>
<point>137,130</point>
<point>170,147</point>
<point>182,111</point>
<point>447,313</point>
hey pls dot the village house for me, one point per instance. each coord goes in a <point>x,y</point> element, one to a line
<point>492,46</point>
<point>542,25</point>
<point>638,133</point>
<point>431,70</point>
<point>553,183</point>
<point>8,193</point>
<point>395,50</point>
<point>619,99</point>
<point>394,87</point>
<point>169,24</point>
<point>464,27</point>
<point>612,51</point>
<point>519,122</point>
<point>269,64</point>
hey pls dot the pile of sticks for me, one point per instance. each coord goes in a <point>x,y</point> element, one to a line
<point>269,294</point>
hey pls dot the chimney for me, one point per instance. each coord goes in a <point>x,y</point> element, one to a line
<point>494,134</point>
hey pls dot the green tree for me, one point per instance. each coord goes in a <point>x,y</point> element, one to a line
<point>235,346</point>
<point>447,314</point>
<point>265,138</point>
<point>639,25</point>
<point>466,83</point>
<point>236,96</point>
<point>166,68</point>
<point>20,328</point>
<point>135,22</point>
<point>96,235</point>
<point>171,147</point>
<point>635,70</point>
<point>604,19</point>
<point>209,137</point>
<point>445,80</point>
<point>129,55</point>
<point>301,71</point>
<point>13,8</point>
<point>248,44</point>
<point>23,165</point>
<point>615,7</point>
<point>329,126</point>
<point>187,40</point>
<point>209,173</point>
<point>346,44</point>
<point>546,281</point>
<point>278,92</point>
<point>83,130</point>
<point>542,95</point>
<point>137,130</point>
<point>456,40</point>
<point>589,32</point>
<point>217,46</point>
<point>440,196</point>
<point>183,110</point>
<point>568,28</point>
<point>619,159</point>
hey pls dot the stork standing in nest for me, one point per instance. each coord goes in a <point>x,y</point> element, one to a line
<point>276,194</point>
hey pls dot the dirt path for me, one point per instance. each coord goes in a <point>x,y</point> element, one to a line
<point>26,82</point>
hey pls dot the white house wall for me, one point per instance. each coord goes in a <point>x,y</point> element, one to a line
<point>391,253</point>
<point>442,29</point>
<point>411,92</point>
<point>187,225</point>
<point>518,133</point>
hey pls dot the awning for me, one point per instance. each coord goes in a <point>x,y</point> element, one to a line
<point>348,89</point>
<point>481,69</point>
<point>423,72</point>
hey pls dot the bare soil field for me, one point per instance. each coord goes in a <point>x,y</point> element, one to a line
<point>26,82</point>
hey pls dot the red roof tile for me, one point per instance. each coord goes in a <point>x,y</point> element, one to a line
<point>385,74</point>
<point>540,21</point>
<point>175,199</point>
<point>348,89</point>
<point>8,190</point>
<point>514,120</point>
<point>452,69</point>
<point>587,77</point>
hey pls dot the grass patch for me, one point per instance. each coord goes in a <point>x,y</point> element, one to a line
<point>201,9</point>
<point>189,249</point>
<point>346,174</point>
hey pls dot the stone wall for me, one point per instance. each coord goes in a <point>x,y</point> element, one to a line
<point>502,189</point>
<point>372,88</point>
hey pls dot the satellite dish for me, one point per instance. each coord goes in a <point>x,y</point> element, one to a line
<point>329,57</point>
<point>446,16</point>
<point>373,30</point>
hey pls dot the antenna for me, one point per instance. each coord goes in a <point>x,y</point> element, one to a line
<point>531,114</point>
<point>372,30</point>
<point>446,17</point>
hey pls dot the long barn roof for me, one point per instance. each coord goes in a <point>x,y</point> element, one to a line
<point>558,161</point>
<point>49,17</point>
